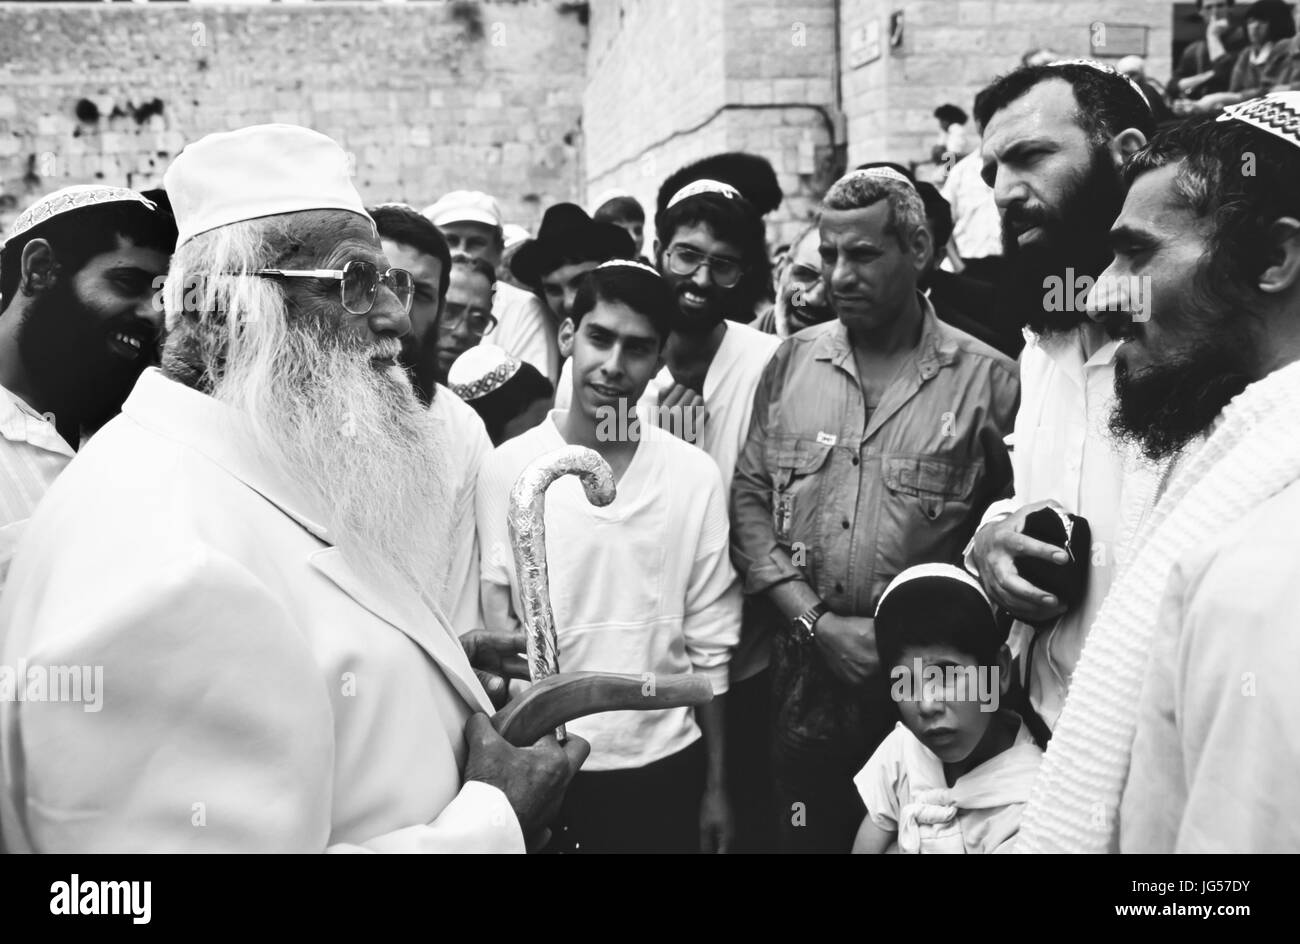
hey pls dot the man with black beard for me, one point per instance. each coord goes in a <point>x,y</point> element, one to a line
<point>1054,139</point>
<point>1180,728</point>
<point>79,277</point>
<point>249,552</point>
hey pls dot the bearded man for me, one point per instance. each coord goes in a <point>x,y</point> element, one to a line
<point>79,272</point>
<point>248,550</point>
<point>1054,139</point>
<point>1180,729</point>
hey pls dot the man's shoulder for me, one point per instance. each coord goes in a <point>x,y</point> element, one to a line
<point>753,341</point>
<point>506,298</point>
<point>976,351</point>
<point>686,461</point>
<point>456,413</point>
<point>509,458</point>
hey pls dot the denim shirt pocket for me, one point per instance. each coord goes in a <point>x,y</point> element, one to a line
<point>799,466</point>
<point>932,484</point>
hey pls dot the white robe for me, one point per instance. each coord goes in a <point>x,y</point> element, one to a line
<point>257,694</point>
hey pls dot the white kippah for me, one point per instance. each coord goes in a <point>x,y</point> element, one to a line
<point>948,571</point>
<point>697,187</point>
<point>480,370</point>
<point>627,262</point>
<point>881,173</point>
<point>1277,113</point>
<point>68,199</point>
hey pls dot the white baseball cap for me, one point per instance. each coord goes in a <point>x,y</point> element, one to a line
<point>464,206</point>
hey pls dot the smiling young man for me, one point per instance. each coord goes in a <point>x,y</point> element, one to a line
<point>79,276</point>
<point>411,242</point>
<point>1179,732</point>
<point>641,586</point>
<point>1054,139</point>
<point>876,443</point>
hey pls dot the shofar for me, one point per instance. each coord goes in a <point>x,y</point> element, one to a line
<point>556,698</point>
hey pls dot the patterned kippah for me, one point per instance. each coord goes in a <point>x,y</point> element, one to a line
<point>1277,113</point>
<point>884,173</point>
<point>697,187</point>
<point>480,370</point>
<point>69,199</point>
<point>613,263</point>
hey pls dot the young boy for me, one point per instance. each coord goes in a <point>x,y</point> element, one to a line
<point>642,586</point>
<point>954,776</point>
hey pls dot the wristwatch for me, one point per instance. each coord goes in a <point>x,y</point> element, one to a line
<point>803,623</point>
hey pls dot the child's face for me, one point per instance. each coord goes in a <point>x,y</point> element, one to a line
<point>942,705</point>
<point>616,351</point>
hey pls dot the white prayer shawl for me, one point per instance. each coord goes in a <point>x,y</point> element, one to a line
<point>1251,455</point>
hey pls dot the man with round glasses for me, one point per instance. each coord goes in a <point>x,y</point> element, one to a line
<point>246,556</point>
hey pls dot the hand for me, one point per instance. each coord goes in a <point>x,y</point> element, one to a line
<point>495,657</point>
<point>848,644</point>
<point>997,545</point>
<point>685,411</point>
<point>716,826</point>
<point>532,778</point>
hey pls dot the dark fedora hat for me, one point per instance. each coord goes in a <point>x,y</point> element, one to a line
<point>568,235</point>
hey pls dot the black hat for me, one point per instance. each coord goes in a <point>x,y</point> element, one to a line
<point>568,235</point>
<point>751,174</point>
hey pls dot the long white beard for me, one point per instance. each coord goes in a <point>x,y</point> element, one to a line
<point>357,438</point>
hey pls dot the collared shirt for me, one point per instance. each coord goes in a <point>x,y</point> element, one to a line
<point>32,454</point>
<point>824,492</point>
<point>525,329</point>
<point>977,228</point>
<point>1062,450</point>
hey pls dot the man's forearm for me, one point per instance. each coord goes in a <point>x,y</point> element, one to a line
<point>711,719</point>
<point>792,597</point>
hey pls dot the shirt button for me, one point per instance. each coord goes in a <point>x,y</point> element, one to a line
<point>845,524</point>
<point>854,460</point>
<point>839,588</point>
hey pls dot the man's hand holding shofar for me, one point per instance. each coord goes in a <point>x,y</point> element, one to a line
<point>997,545</point>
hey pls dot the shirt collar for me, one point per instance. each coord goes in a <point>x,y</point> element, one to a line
<point>20,423</point>
<point>222,435</point>
<point>936,349</point>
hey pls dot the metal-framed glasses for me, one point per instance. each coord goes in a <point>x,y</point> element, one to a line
<point>723,271</point>
<point>478,321</point>
<point>359,283</point>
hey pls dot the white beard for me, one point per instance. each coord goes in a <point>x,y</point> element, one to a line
<point>356,438</point>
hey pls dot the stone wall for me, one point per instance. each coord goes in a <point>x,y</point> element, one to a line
<point>427,97</point>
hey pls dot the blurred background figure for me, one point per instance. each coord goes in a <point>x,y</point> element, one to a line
<point>800,294</point>
<point>622,209</point>
<point>1260,67</point>
<point>1206,65</point>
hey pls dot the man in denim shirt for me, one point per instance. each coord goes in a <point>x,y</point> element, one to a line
<point>875,444</point>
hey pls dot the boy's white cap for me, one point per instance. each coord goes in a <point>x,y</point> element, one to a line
<point>261,170</point>
<point>947,571</point>
<point>464,206</point>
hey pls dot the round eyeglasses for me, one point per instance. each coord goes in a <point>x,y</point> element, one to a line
<point>359,283</point>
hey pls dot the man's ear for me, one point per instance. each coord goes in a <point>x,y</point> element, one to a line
<point>1004,669</point>
<point>1125,144</point>
<point>1283,272</point>
<point>565,337</point>
<point>659,248</point>
<point>39,270</point>
<point>922,247</point>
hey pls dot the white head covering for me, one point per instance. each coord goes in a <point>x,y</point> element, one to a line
<point>261,170</point>
<point>1277,113</point>
<point>882,173</point>
<point>948,571</point>
<point>696,187</point>
<point>512,234</point>
<point>69,199</point>
<point>1102,67</point>
<point>629,263</point>
<point>480,370</point>
<point>464,206</point>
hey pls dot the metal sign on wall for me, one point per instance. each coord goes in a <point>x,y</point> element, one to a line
<point>1117,39</point>
<point>864,44</point>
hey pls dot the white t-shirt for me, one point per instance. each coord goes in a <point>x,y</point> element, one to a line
<point>728,393</point>
<point>32,454</point>
<point>905,791</point>
<point>525,329</point>
<point>977,227</point>
<point>468,445</point>
<point>643,585</point>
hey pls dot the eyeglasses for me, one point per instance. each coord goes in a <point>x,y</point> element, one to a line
<point>479,322</point>
<point>359,283</point>
<point>724,272</point>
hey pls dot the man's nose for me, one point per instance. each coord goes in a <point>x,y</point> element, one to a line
<point>388,315</point>
<point>151,309</point>
<point>1112,298</point>
<point>701,275</point>
<point>1009,190</point>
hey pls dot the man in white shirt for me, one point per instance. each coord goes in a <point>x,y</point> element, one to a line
<point>642,586</point>
<point>247,553</point>
<point>79,277</point>
<point>471,222</point>
<point>1054,137</point>
<point>413,243</point>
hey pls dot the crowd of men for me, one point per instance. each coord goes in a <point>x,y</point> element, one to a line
<point>259,442</point>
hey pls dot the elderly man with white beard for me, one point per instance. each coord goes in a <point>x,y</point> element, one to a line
<point>248,552</point>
